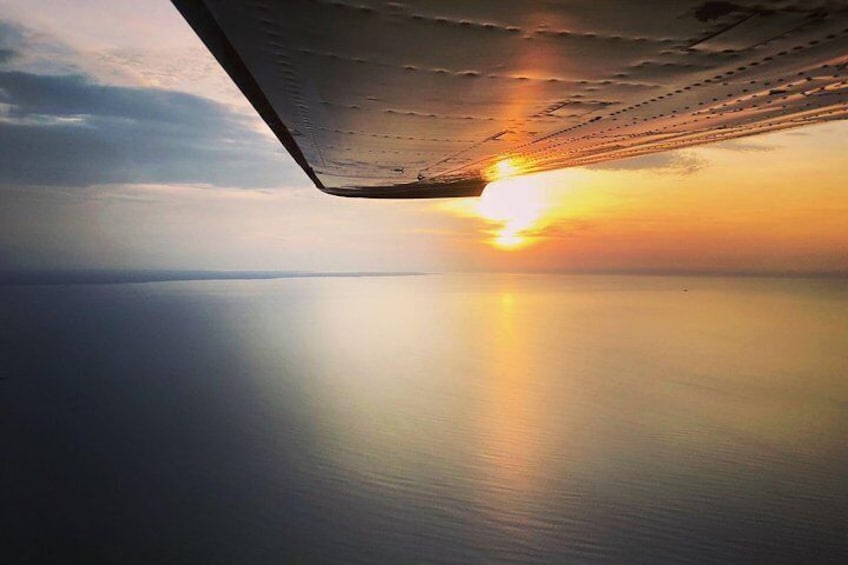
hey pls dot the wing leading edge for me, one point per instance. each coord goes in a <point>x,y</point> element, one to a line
<point>430,98</point>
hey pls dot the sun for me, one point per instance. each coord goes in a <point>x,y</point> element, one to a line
<point>508,240</point>
<point>518,205</point>
<point>519,211</point>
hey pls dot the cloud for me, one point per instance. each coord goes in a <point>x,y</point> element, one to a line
<point>31,51</point>
<point>9,35</point>
<point>66,130</point>
<point>673,162</point>
<point>564,228</point>
<point>70,130</point>
<point>744,146</point>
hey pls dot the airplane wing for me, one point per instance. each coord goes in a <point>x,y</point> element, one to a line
<point>435,98</point>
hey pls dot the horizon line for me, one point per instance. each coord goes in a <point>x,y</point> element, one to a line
<point>56,277</point>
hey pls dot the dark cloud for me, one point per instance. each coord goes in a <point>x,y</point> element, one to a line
<point>66,130</point>
<point>675,162</point>
<point>10,38</point>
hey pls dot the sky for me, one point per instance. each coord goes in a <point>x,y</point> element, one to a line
<point>124,145</point>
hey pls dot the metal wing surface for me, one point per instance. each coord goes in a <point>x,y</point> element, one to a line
<point>434,98</point>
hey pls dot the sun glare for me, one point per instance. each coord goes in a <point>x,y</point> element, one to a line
<point>519,210</point>
<point>508,240</point>
<point>506,168</point>
<point>518,206</point>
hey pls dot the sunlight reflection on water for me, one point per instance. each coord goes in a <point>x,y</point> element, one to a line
<point>438,418</point>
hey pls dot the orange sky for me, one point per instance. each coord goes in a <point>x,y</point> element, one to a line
<point>770,203</point>
<point>775,203</point>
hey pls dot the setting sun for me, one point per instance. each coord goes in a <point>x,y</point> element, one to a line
<point>517,205</point>
<point>520,208</point>
<point>517,211</point>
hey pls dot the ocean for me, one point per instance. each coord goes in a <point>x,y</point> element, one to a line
<point>438,418</point>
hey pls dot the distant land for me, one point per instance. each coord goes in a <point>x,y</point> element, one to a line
<point>29,278</point>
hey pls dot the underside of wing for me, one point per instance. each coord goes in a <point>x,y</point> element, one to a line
<point>435,98</point>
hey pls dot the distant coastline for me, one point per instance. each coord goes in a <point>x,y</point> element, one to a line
<point>78,277</point>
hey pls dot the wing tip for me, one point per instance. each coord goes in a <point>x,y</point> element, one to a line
<point>449,189</point>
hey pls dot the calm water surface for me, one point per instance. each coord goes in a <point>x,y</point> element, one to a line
<point>498,418</point>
